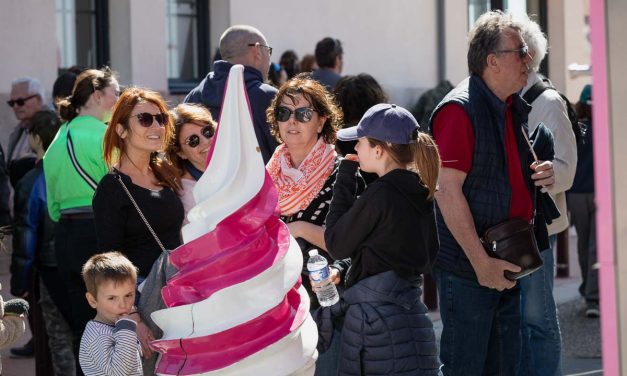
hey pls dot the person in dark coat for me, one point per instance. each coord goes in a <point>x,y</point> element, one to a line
<point>390,234</point>
<point>241,44</point>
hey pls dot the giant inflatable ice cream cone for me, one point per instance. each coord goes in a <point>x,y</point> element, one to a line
<point>236,306</point>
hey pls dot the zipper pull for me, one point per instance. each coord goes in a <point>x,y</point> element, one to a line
<point>494,246</point>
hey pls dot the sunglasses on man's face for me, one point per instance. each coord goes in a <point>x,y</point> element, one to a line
<point>146,119</point>
<point>302,114</point>
<point>20,101</point>
<point>522,51</point>
<point>194,140</point>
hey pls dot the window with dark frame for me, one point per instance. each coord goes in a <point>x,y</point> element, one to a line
<point>187,43</point>
<point>83,33</point>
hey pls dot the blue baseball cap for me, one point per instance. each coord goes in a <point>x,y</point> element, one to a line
<point>384,122</point>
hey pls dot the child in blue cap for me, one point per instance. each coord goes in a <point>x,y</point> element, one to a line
<point>390,234</point>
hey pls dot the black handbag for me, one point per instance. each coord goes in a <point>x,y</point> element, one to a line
<point>514,241</point>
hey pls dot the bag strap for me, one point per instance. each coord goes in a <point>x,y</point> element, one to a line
<point>140,213</point>
<point>535,91</point>
<point>535,158</point>
<point>83,174</point>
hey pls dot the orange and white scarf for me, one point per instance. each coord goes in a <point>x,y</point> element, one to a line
<point>299,186</point>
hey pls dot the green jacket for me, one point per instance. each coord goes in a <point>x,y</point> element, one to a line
<point>65,188</point>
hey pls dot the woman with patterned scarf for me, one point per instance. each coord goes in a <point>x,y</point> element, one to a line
<point>305,119</point>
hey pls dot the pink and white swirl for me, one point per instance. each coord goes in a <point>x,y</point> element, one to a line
<point>236,306</point>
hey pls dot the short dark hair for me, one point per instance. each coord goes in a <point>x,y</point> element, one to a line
<point>485,38</point>
<point>45,124</point>
<point>289,62</point>
<point>356,94</point>
<point>64,83</point>
<point>326,52</point>
<point>110,266</point>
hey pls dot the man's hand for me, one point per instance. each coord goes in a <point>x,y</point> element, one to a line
<point>543,175</point>
<point>491,273</point>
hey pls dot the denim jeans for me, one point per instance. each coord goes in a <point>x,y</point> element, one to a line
<point>541,337</point>
<point>481,327</point>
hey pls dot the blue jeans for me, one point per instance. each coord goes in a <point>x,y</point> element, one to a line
<point>541,337</point>
<point>481,327</point>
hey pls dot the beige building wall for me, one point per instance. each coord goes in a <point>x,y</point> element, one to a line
<point>395,43</point>
<point>568,43</point>
<point>456,41</point>
<point>29,48</point>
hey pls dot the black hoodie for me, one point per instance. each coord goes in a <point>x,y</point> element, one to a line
<point>210,93</point>
<point>390,227</point>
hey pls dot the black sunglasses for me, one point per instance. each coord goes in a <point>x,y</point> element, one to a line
<point>20,101</point>
<point>146,119</point>
<point>207,132</point>
<point>522,51</point>
<point>302,114</point>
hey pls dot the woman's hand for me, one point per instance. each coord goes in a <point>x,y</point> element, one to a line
<point>352,157</point>
<point>334,276</point>
<point>145,336</point>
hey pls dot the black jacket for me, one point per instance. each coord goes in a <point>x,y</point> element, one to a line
<point>33,237</point>
<point>390,227</point>
<point>386,331</point>
<point>210,93</point>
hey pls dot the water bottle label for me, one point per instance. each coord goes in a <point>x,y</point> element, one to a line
<point>319,275</point>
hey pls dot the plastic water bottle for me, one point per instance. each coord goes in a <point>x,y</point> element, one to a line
<point>323,287</point>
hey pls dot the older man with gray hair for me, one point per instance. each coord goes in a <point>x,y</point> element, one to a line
<point>541,338</point>
<point>488,177</point>
<point>26,99</point>
<point>241,44</point>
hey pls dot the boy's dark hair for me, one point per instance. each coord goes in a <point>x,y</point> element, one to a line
<point>326,52</point>
<point>110,266</point>
<point>45,124</point>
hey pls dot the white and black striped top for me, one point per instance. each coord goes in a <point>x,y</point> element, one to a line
<point>108,350</point>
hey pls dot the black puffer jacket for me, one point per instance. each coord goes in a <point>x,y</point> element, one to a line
<point>386,328</point>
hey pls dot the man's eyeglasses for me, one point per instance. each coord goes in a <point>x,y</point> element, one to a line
<point>207,132</point>
<point>261,45</point>
<point>302,114</point>
<point>146,119</point>
<point>20,101</point>
<point>522,51</point>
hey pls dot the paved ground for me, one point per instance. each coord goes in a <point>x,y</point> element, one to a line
<point>581,335</point>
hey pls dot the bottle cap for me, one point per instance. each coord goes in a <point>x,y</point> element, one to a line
<point>313,252</point>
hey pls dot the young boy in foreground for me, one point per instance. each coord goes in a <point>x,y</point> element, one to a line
<point>109,344</point>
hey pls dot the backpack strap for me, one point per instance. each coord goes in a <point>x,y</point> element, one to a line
<point>535,91</point>
<point>83,174</point>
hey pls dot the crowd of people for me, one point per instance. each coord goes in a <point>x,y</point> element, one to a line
<point>103,180</point>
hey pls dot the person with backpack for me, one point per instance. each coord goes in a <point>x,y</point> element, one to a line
<point>541,338</point>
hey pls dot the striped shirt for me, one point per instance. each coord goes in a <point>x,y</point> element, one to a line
<point>108,350</point>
